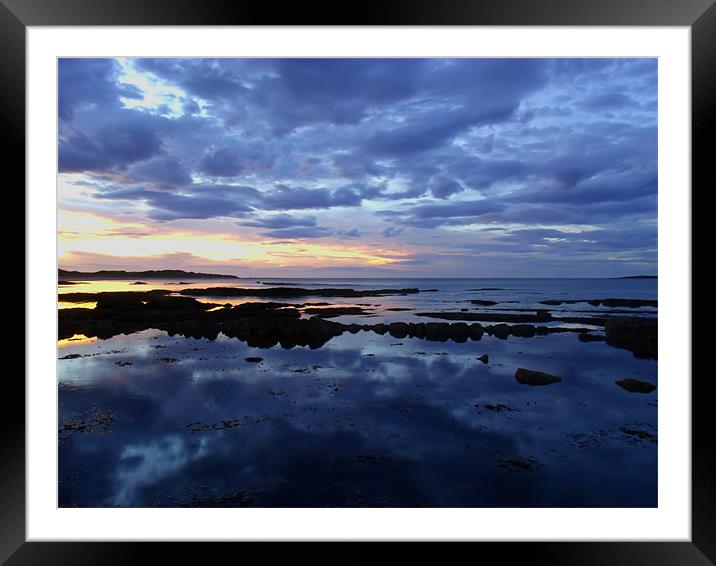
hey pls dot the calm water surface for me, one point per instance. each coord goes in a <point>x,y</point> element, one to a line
<point>366,420</point>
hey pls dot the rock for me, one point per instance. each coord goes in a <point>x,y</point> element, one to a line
<point>636,385</point>
<point>398,329</point>
<point>523,330</point>
<point>330,312</point>
<point>540,316</point>
<point>501,331</point>
<point>484,358</point>
<point>289,292</point>
<point>483,303</point>
<point>173,303</point>
<point>497,407</point>
<point>629,303</point>
<point>459,332</point>
<point>531,377</point>
<point>550,302</point>
<point>255,360</point>
<point>476,331</point>
<point>587,337</point>
<point>119,301</point>
<point>638,335</point>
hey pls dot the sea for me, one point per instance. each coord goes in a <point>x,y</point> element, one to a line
<point>366,420</point>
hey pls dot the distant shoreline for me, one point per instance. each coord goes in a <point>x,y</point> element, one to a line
<point>119,274</point>
<point>149,274</point>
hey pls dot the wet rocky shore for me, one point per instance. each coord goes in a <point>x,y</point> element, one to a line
<point>265,324</point>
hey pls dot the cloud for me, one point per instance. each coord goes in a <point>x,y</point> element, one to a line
<point>128,138</point>
<point>393,231</point>
<point>607,101</point>
<point>363,149</point>
<point>162,171</point>
<point>90,82</point>
<point>298,233</point>
<point>222,162</point>
<point>284,197</point>
<point>279,221</point>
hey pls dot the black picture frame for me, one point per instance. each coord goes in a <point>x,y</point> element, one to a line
<point>699,15</point>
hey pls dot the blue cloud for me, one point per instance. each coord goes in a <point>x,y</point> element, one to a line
<point>443,153</point>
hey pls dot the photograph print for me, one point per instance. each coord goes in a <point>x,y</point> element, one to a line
<point>369,282</point>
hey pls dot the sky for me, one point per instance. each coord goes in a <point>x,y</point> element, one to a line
<point>359,167</point>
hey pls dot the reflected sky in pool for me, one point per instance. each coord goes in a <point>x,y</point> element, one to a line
<point>367,420</point>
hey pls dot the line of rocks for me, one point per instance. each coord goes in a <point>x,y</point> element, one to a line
<point>264,324</point>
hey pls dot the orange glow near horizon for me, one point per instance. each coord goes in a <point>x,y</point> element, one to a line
<point>90,233</point>
<point>75,340</point>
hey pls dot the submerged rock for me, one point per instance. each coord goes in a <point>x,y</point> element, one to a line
<point>636,385</point>
<point>484,358</point>
<point>483,303</point>
<point>532,377</point>
<point>330,312</point>
<point>523,330</point>
<point>539,316</point>
<point>289,292</point>
<point>587,337</point>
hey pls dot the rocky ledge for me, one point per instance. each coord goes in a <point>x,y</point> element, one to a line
<point>265,324</point>
<point>290,292</point>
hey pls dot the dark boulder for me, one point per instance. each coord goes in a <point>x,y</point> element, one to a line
<point>587,337</point>
<point>523,330</point>
<point>630,303</point>
<point>638,335</point>
<point>531,377</point>
<point>119,301</point>
<point>636,385</point>
<point>501,331</point>
<point>476,331</point>
<point>398,329</point>
<point>459,332</point>
<point>419,330</point>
